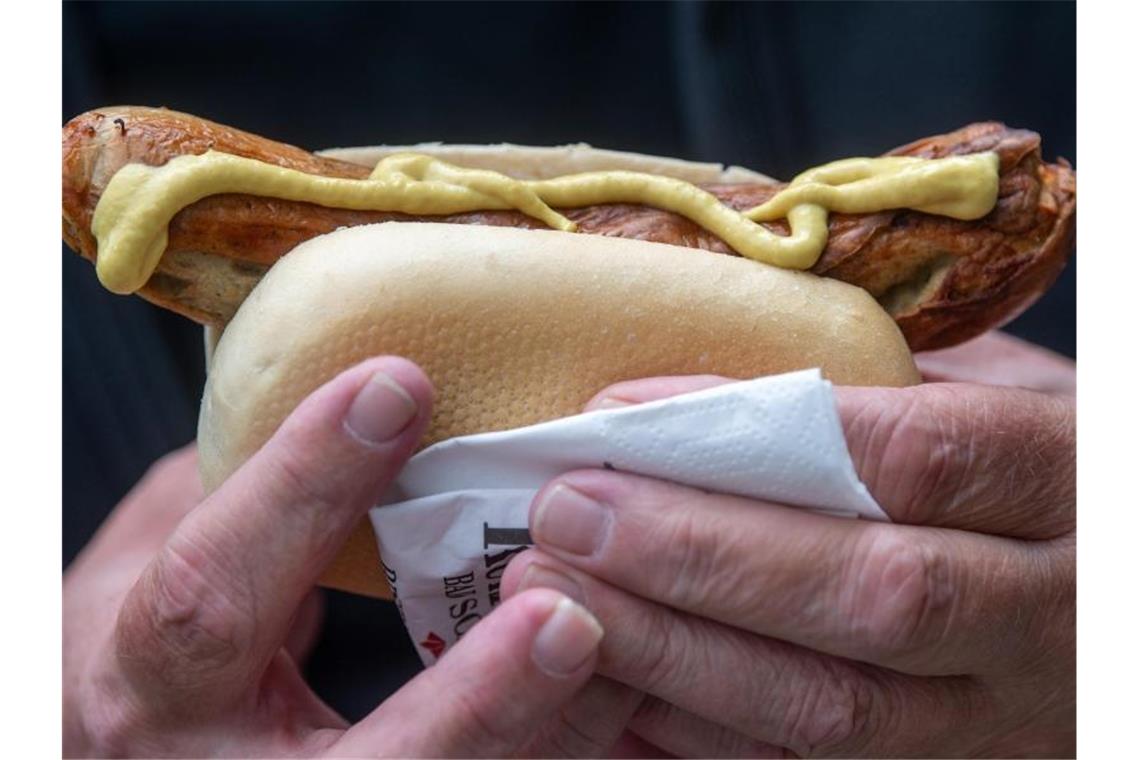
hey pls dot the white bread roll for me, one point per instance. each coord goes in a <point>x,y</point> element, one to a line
<point>518,326</point>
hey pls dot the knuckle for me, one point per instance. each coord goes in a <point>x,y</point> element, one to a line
<point>676,649</point>
<point>923,453</point>
<point>654,665</point>
<point>833,712</point>
<point>683,543</point>
<point>655,717</point>
<point>652,711</point>
<point>181,619</point>
<point>699,559</point>
<point>900,593</point>
<point>573,738</point>
<point>649,665</point>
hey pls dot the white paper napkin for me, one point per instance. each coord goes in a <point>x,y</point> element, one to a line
<point>458,511</point>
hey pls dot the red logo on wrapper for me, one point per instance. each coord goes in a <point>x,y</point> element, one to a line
<point>433,644</point>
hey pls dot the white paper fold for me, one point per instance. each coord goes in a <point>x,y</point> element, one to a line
<point>458,511</point>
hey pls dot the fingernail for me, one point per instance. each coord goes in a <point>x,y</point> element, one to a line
<point>567,639</point>
<point>612,402</point>
<point>569,520</point>
<point>540,576</point>
<point>380,411</point>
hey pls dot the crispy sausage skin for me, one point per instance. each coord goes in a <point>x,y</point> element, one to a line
<point>943,280</point>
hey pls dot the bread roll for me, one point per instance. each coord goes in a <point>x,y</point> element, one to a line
<point>518,326</point>
<point>535,162</point>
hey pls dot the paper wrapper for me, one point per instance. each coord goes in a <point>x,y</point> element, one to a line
<point>458,511</point>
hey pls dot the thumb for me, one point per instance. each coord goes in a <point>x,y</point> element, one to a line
<point>216,603</point>
<point>491,694</point>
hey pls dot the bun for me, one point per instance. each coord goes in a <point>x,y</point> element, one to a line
<point>518,326</point>
<point>534,162</point>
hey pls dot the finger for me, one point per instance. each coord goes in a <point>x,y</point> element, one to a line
<point>684,734</point>
<point>921,600</point>
<point>212,609</point>
<point>775,693</point>
<point>631,745</point>
<point>590,724</point>
<point>995,358</point>
<point>1000,359</point>
<point>985,459</point>
<point>489,695</point>
<point>142,522</point>
<point>651,389</point>
<point>978,458</point>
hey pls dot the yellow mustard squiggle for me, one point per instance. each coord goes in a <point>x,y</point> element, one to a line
<point>132,216</point>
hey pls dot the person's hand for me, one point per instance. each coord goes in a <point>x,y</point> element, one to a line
<point>179,634</point>
<point>1000,359</point>
<point>759,630</point>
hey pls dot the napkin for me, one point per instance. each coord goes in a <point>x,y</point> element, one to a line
<point>458,511</point>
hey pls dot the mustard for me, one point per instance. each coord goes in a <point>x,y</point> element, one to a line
<point>131,219</point>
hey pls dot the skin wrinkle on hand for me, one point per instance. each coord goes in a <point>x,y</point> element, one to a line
<point>1003,565</point>
<point>1018,703</point>
<point>173,646</point>
<point>952,436</point>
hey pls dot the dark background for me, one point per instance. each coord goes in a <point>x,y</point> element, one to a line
<point>777,87</point>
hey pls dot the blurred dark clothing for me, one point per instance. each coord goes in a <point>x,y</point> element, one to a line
<point>777,87</point>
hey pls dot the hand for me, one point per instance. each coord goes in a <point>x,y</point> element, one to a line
<point>1000,359</point>
<point>183,617</point>
<point>758,630</point>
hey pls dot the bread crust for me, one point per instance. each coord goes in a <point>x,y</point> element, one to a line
<point>516,327</point>
<point>943,280</point>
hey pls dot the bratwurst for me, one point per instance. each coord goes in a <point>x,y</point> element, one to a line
<point>943,280</point>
